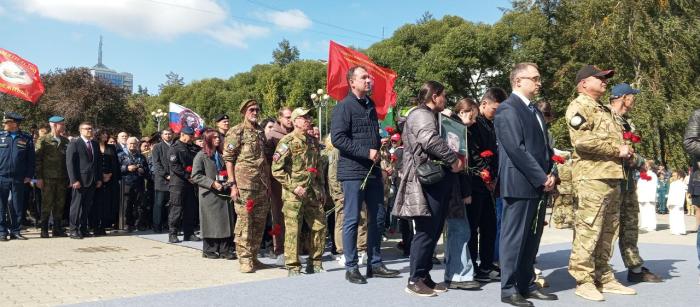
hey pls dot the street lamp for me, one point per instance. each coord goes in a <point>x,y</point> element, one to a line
<point>158,117</point>
<point>320,101</point>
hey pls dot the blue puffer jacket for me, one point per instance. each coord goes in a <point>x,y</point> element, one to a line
<point>354,131</point>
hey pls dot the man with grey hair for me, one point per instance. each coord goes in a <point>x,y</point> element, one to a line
<point>134,169</point>
<point>121,141</point>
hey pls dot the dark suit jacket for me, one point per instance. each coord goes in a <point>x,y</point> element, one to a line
<point>524,155</point>
<point>80,166</point>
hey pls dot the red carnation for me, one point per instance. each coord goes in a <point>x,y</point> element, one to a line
<point>486,154</point>
<point>188,168</point>
<point>485,175</point>
<point>275,231</point>
<point>558,159</point>
<point>249,204</point>
<point>223,173</point>
<point>312,170</point>
<point>644,176</point>
<point>394,158</point>
<point>635,138</point>
<point>627,135</point>
<point>390,130</point>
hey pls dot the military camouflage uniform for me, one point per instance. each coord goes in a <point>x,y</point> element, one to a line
<point>629,207</point>
<point>335,190</point>
<point>51,168</point>
<point>245,147</point>
<point>564,204</point>
<point>296,163</point>
<point>597,174</point>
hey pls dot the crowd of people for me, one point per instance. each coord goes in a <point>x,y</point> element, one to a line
<point>273,185</point>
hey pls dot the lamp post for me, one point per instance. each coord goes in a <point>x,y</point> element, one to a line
<point>320,101</point>
<point>158,116</point>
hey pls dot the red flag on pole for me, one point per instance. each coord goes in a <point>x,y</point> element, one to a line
<point>341,58</point>
<point>19,77</point>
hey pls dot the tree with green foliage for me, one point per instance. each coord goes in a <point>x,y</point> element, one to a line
<point>285,53</point>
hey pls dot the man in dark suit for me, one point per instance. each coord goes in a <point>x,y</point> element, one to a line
<point>161,176</point>
<point>524,169</point>
<point>84,172</point>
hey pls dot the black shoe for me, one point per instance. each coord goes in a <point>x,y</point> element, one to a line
<point>517,300</point>
<point>539,295</point>
<point>59,233</point>
<point>173,239</point>
<point>100,232</point>
<point>419,288</point>
<point>355,277</point>
<point>210,255</point>
<point>85,233</point>
<point>487,276</point>
<point>76,235</point>
<point>464,285</point>
<point>192,237</point>
<point>381,271</point>
<point>229,256</point>
<point>17,236</point>
<point>44,233</point>
<point>437,287</point>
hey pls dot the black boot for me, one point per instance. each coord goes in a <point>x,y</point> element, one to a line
<point>45,230</point>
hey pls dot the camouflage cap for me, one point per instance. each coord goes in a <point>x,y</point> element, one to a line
<point>299,112</point>
<point>247,103</point>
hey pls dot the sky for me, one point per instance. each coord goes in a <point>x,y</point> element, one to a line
<point>200,39</point>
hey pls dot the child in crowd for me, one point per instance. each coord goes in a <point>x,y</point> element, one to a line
<point>676,201</point>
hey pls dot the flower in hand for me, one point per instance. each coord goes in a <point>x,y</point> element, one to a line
<point>275,231</point>
<point>312,170</point>
<point>188,168</point>
<point>249,204</point>
<point>486,154</point>
<point>558,159</point>
<point>223,173</point>
<point>485,176</point>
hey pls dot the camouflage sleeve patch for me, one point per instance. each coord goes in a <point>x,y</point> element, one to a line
<point>282,149</point>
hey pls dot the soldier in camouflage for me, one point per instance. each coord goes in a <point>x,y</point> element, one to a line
<point>295,164</point>
<point>244,152</point>
<point>565,202</point>
<point>52,176</point>
<point>621,103</point>
<point>599,153</point>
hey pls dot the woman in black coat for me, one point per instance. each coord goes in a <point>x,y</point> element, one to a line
<point>105,211</point>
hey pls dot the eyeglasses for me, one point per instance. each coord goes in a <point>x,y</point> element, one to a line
<point>533,79</point>
<point>254,110</point>
<point>89,129</point>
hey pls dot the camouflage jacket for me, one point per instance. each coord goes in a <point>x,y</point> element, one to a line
<point>335,189</point>
<point>635,163</point>
<point>246,147</point>
<point>566,187</point>
<point>296,162</point>
<point>596,137</point>
<point>51,157</point>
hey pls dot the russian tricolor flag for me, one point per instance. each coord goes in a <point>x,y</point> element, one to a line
<point>181,117</point>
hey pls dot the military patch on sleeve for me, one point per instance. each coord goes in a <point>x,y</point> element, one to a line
<point>275,157</point>
<point>577,121</point>
<point>282,149</point>
<point>173,158</point>
<point>229,147</point>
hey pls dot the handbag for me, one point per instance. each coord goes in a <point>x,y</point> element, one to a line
<point>429,172</point>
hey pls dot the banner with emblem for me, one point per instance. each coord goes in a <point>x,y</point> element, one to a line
<point>183,117</point>
<point>455,134</point>
<point>19,77</point>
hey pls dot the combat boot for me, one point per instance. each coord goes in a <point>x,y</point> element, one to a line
<point>589,292</point>
<point>644,276</point>
<point>616,287</point>
<point>311,269</point>
<point>247,267</point>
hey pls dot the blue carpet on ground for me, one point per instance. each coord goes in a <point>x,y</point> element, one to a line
<point>676,264</point>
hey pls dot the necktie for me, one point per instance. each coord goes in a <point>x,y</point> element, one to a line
<point>89,149</point>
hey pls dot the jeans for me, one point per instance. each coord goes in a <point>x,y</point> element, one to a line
<point>373,197</point>
<point>458,265</point>
<point>499,212</point>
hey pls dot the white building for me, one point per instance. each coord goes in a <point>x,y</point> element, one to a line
<point>124,80</point>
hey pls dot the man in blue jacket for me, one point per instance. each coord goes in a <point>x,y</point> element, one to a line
<point>355,132</point>
<point>16,169</point>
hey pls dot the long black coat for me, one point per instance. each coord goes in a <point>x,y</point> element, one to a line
<point>161,166</point>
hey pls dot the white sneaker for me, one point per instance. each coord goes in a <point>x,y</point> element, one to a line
<point>341,260</point>
<point>363,259</point>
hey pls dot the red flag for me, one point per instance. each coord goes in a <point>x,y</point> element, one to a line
<point>341,58</point>
<point>19,77</point>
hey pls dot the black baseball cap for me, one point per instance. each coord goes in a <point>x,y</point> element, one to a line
<point>592,71</point>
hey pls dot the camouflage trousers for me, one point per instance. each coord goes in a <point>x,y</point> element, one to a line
<point>361,229</point>
<point>595,228</point>
<point>250,225</point>
<point>563,211</point>
<point>296,211</point>
<point>629,229</point>
<point>53,199</point>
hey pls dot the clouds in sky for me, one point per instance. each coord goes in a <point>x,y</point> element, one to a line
<point>164,19</point>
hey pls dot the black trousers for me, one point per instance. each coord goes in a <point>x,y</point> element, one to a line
<point>429,228</point>
<point>519,243</point>
<point>406,229</point>
<point>182,207</point>
<point>99,213</point>
<point>482,223</point>
<point>80,205</point>
<point>160,209</point>
<point>135,213</point>
<point>221,246</point>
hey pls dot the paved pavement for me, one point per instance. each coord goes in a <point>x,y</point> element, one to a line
<point>45,272</point>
